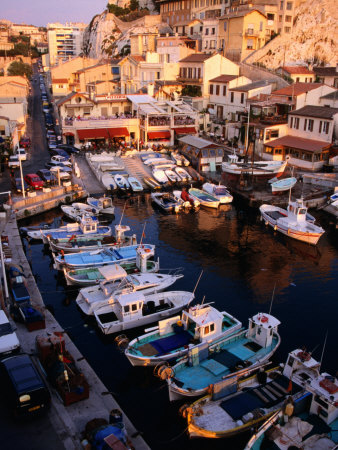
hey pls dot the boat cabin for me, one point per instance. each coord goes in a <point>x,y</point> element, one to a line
<point>262,328</point>
<point>204,321</point>
<point>104,203</point>
<point>119,232</point>
<point>87,225</point>
<point>129,306</point>
<point>297,210</point>
<point>142,257</point>
<point>111,274</point>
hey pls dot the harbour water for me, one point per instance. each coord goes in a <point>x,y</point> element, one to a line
<point>243,262</point>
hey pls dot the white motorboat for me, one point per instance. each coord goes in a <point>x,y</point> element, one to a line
<point>256,168</point>
<point>135,310</point>
<point>204,198</point>
<point>219,191</point>
<point>292,222</point>
<point>121,181</point>
<point>179,159</point>
<point>183,174</point>
<point>172,176</point>
<point>108,181</point>
<point>110,166</point>
<point>75,213</point>
<point>185,200</point>
<point>87,226</point>
<point>92,298</point>
<point>166,201</point>
<point>172,338</point>
<point>152,183</point>
<point>135,184</point>
<point>282,185</point>
<point>159,160</point>
<point>102,205</point>
<point>160,176</point>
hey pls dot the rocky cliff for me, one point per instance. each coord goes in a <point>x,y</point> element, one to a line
<point>313,39</point>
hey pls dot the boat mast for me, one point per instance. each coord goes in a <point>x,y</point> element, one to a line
<point>197,282</point>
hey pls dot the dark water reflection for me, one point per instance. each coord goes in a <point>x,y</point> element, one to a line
<point>242,261</point>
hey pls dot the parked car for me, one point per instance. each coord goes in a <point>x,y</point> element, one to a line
<point>24,390</point>
<point>17,185</point>
<point>62,166</point>
<point>63,173</point>
<point>21,154</point>
<point>25,142</point>
<point>13,162</point>
<point>61,159</point>
<point>69,148</point>
<point>34,180</point>
<point>9,342</point>
<point>46,175</point>
<point>49,121</point>
<point>60,152</point>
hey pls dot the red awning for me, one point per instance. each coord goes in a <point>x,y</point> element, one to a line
<point>187,130</point>
<point>158,134</point>
<point>68,133</point>
<point>102,133</point>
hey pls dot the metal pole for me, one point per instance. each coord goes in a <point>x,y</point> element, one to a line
<point>3,271</point>
<point>247,132</point>
<point>59,182</point>
<point>22,184</point>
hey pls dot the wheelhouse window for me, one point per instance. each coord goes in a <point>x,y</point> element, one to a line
<point>134,307</point>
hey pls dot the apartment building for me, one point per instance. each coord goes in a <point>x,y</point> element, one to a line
<point>64,41</point>
<point>286,15</point>
<point>210,37</point>
<point>174,48</point>
<point>175,11</point>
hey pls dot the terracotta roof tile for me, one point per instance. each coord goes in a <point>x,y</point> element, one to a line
<point>322,112</point>
<point>299,143</point>
<point>297,89</point>
<point>224,78</point>
<point>196,57</point>
<point>297,70</point>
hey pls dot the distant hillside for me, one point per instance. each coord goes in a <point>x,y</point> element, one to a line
<point>314,38</point>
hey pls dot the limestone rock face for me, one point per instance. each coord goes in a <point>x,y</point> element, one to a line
<point>99,34</point>
<point>313,39</point>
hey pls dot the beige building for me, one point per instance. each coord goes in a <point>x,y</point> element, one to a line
<point>174,48</point>
<point>241,33</point>
<point>286,15</point>
<point>327,75</point>
<point>175,11</point>
<point>198,69</point>
<point>64,41</point>
<point>298,74</point>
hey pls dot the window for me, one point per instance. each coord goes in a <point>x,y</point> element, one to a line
<point>280,18</point>
<point>134,307</point>
<point>297,123</point>
<point>206,44</point>
<point>287,29</point>
<point>281,5</point>
<point>305,125</point>
<point>206,31</point>
<point>291,122</point>
<point>224,91</point>
<point>232,97</point>
<point>288,19</point>
<point>60,86</point>
<point>310,126</point>
<point>158,75</point>
<point>242,97</point>
<point>104,112</point>
<point>126,309</point>
<point>213,44</point>
<point>289,6</point>
<point>211,89</point>
<point>260,26</point>
<point>225,26</point>
<point>249,44</point>
<point>212,30</point>
<point>86,111</point>
<point>326,126</point>
<point>217,89</point>
<point>297,79</point>
<point>207,329</point>
<point>271,17</point>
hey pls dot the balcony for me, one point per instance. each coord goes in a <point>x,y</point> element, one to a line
<point>190,80</point>
<point>99,122</point>
<point>251,32</point>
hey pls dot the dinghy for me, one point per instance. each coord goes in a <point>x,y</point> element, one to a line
<point>102,205</point>
<point>283,185</point>
<point>108,181</point>
<point>160,176</point>
<point>183,174</point>
<point>158,160</point>
<point>93,275</point>
<point>135,184</point>
<point>92,298</point>
<point>292,222</point>
<point>179,159</point>
<point>166,201</point>
<point>236,405</point>
<point>121,181</point>
<point>135,310</point>
<point>87,226</point>
<point>99,258</point>
<point>219,191</point>
<point>76,244</point>
<point>207,364</point>
<point>172,176</point>
<point>173,337</point>
<point>257,168</point>
<point>204,198</point>
<point>153,184</point>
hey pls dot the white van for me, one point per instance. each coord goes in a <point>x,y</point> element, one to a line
<point>9,342</point>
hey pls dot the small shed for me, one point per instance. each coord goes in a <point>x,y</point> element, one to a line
<point>204,155</point>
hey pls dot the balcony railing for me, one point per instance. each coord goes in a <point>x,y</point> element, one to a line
<point>100,122</point>
<point>190,80</point>
<point>251,32</point>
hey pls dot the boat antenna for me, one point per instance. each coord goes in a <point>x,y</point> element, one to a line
<point>124,207</point>
<point>272,298</point>
<point>142,235</point>
<point>203,300</point>
<point>197,282</point>
<point>321,358</point>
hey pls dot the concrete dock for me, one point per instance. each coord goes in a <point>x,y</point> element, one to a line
<point>67,422</point>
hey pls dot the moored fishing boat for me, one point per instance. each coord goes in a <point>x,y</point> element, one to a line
<point>292,222</point>
<point>87,243</point>
<point>172,176</point>
<point>309,423</point>
<point>283,185</point>
<point>134,309</point>
<point>102,205</point>
<point>183,174</point>
<point>185,200</point>
<point>160,176</point>
<point>204,198</point>
<point>166,201</point>
<point>93,275</point>
<point>206,365</point>
<point>92,298</point>
<point>172,338</point>
<point>75,213</point>
<point>135,184</point>
<point>256,168</point>
<point>99,258</point>
<point>87,226</point>
<point>238,405</point>
<point>219,191</point>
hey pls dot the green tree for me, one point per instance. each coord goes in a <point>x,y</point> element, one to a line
<point>134,5</point>
<point>21,49</point>
<point>20,68</point>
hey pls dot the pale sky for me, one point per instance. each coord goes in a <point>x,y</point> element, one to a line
<point>40,12</point>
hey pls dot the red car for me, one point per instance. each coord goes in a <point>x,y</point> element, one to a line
<point>25,142</point>
<point>34,180</point>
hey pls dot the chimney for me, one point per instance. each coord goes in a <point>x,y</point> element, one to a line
<point>150,89</point>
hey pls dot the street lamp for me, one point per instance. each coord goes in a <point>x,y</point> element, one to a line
<point>21,175</point>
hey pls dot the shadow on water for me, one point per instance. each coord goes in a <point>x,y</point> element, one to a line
<point>242,260</point>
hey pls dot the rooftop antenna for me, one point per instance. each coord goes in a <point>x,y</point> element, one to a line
<point>272,298</point>
<point>197,282</point>
<point>321,358</point>
<point>203,300</point>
